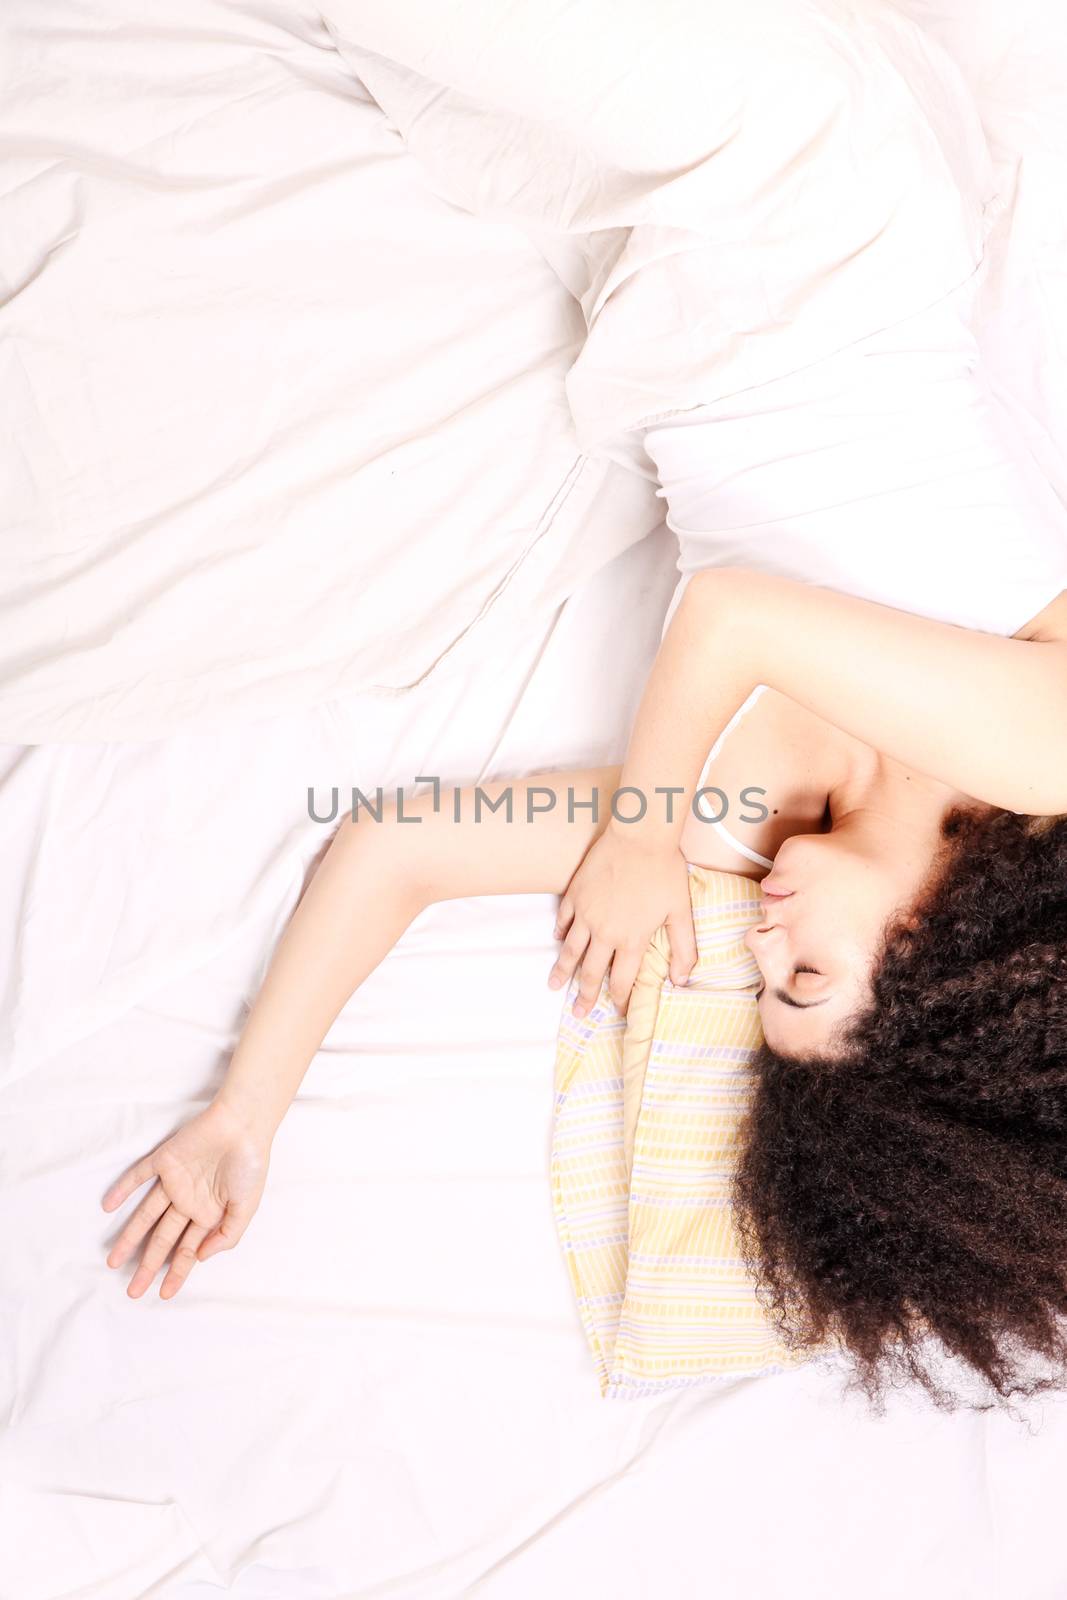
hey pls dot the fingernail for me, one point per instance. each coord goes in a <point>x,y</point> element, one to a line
<point>554,981</point>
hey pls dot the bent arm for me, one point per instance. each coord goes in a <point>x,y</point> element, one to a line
<point>373,881</point>
<point>981,713</point>
<point>984,714</point>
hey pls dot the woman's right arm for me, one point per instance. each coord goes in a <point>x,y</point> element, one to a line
<point>375,878</point>
<point>518,836</point>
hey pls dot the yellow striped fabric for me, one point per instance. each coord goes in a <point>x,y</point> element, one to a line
<point>644,1138</point>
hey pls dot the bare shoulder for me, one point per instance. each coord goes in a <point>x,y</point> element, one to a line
<point>782,738</point>
<point>772,778</point>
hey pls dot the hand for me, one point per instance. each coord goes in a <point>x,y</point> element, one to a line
<point>209,1179</point>
<point>619,896</point>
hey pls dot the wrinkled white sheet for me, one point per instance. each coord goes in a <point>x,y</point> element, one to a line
<point>385,1390</point>
<point>279,422</point>
<point>732,191</point>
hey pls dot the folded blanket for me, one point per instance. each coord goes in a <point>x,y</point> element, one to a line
<point>647,1116</point>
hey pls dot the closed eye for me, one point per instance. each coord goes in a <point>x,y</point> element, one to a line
<point>798,968</point>
<point>787,1000</point>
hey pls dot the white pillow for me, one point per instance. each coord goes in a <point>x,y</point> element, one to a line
<point>744,186</point>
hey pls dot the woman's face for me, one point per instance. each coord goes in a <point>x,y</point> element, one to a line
<point>826,902</point>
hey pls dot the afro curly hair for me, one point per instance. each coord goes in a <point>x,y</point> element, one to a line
<point>909,1193</point>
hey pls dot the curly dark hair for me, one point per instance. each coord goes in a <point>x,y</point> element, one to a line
<point>908,1195</point>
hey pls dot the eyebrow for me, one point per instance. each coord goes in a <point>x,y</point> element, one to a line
<point>798,1005</point>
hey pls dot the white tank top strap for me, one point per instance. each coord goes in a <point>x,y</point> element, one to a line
<point>720,827</point>
<point>742,849</point>
<point>730,726</point>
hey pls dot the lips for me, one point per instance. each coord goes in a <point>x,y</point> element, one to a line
<point>771,891</point>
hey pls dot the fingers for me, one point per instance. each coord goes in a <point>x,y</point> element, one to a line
<point>146,1216</point>
<point>569,956</point>
<point>564,917</point>
<point>227,1234</point>
<point>168,1231</point>
<point>183,1260</point>
<point>683,943</point>
<point>624,970</point>
<point>594,966</point>
<point>130,1180</point>
<point>594,957</point>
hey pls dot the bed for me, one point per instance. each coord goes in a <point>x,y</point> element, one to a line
<point>385,1391</point>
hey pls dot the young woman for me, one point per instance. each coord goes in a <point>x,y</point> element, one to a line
<point>874,726</point>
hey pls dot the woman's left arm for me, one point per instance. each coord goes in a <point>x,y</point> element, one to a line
<point>984,714</point>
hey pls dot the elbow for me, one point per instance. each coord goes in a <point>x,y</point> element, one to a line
<point>722,614</point>
<point>406,840</point>
<point>714,594</point>
<point>381,850</point>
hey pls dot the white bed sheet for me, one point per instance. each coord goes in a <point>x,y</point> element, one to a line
<point>735,192</point>
<point>385,1390</point>
<point>279,422</point>
<point>1014,61</point>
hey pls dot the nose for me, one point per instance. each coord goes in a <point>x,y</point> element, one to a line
<point>764,942</point>
<point>764,936</point>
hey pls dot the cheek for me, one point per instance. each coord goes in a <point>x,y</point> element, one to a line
<point>831,942</point>
<point>843,944</point>
<point>879,903</point>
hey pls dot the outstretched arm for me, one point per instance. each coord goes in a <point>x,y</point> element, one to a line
<point>373,881</point>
